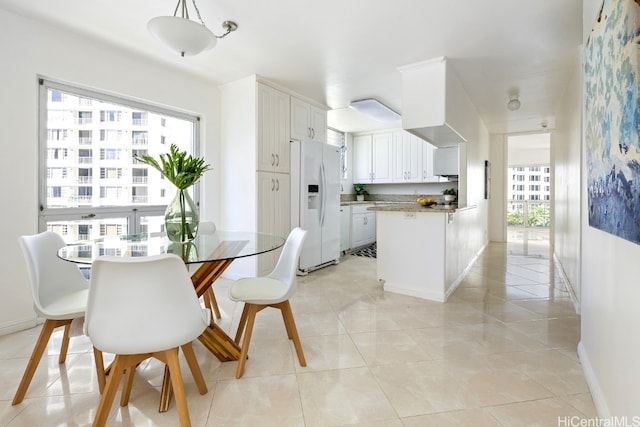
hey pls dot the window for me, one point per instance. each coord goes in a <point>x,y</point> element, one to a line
<point>534,188</point>
<point>546,179</point>
<point>534,169</point>
<point>534,197</point>
<point>127,192</point>
<point>335,137</point>
<point>113,135</point>
<point>111,116</point>
<point>520,177</point>
<point>534,177</point>
<point>520,187</point>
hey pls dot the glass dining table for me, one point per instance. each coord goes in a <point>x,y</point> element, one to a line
<point>212,252</point>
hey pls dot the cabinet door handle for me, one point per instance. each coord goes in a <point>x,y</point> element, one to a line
<point>309,132</point>
<point>277,185</point>
<point>366,220</point>
<point>273,184</point>
<point>277,160</point>
<point>273,159</point>
<point>313,133</point>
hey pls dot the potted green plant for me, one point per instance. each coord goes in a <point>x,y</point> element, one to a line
<point>449,195</point>
<point>361,191</point>
<point>181,217</point>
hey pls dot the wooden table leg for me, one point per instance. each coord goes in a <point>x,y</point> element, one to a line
<point>165,392</point>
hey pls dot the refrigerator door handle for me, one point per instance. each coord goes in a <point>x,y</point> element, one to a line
<point>323,193</point>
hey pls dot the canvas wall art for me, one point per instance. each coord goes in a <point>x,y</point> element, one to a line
<point>612,120</point>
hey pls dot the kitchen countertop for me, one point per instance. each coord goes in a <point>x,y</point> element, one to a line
<point>415,207</point>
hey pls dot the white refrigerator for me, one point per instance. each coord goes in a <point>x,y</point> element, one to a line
<point>315,202</point>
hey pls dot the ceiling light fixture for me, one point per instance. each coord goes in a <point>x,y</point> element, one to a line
<point>514,103</point>
<point>183,35</point>
<point>375,109</point>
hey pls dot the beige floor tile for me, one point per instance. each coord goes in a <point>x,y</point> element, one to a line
<point>469,417</point>
<point>386,347</point>
<point>330,352</point>
<point>268,401</point>
<point>536,413</point>
<point>340,397</point>
<point>501,351</point>
<point>583,403</point>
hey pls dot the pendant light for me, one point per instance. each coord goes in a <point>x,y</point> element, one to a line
<point>184,36</point>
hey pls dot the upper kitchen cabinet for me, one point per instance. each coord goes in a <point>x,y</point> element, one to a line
<point>273,130</point>
<point>435,106</point>
<point>372,161</point>
<point>307,121</point>
<point>428,164</point>
<point>446,162</point>
<point>407,157</point>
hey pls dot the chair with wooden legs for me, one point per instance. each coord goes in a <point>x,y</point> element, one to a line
<point>139,308</point>
<point>273,290</point>
<point>59,293</point>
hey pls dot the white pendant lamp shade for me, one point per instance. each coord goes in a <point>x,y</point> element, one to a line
<point>182,35</point>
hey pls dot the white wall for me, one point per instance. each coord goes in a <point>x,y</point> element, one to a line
<point>610,307</point>
<point>32,49</point>
<point>526,156</point>
<point>566,153</point>
<point>498,200</point>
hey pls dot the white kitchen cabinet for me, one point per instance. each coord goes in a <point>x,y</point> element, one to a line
<point>427,163</point>
<point>363,226</point>
<point>407,157</point>
<point>273,129</point>
<point>372,158</point>
<point>256,119</point>
<point>273,202</point>
<point>446,161</point>
<point>307,121</point>
<point>345,228</point>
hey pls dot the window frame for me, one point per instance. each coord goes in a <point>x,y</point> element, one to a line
<point>132,213</point>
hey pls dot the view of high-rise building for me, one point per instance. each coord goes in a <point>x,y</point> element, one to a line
<point>94,184</point>
<point>529,194</point>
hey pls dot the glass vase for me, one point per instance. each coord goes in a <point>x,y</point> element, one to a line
<point>181,218</point>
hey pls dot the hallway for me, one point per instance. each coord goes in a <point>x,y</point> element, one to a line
<point>501,352</point>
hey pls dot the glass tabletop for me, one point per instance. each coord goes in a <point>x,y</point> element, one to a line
<point>216,246</point>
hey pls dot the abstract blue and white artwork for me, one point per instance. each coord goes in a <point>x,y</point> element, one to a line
<point>612,120</point>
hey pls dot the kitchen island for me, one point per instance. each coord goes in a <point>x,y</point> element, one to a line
<point>424,251</point>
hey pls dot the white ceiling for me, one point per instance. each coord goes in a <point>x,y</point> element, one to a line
<point>335,51</point>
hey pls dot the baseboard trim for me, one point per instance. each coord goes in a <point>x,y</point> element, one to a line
<point>567,282</point>
<point>597,394</point>
<point>9,328</point>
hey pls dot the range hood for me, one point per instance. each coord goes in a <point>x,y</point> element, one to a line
<point>435,106</point>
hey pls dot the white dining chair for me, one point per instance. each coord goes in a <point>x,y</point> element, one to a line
<point>143,307</point>
<point>273,290</point>
<point>59,291</point>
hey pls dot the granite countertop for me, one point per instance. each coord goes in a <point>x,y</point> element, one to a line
<point>415,207</point>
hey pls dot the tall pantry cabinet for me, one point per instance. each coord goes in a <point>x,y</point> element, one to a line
<point>255,166</point>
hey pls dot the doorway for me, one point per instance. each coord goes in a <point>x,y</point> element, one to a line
<point>528,195</point>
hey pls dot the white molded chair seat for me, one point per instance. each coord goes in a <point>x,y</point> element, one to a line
<point>59,292</point>
<point>273,290</point>
<point>139,308</point>
<point>259,290</point>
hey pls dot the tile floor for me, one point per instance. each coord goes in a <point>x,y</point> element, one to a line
<point>501,352</point>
